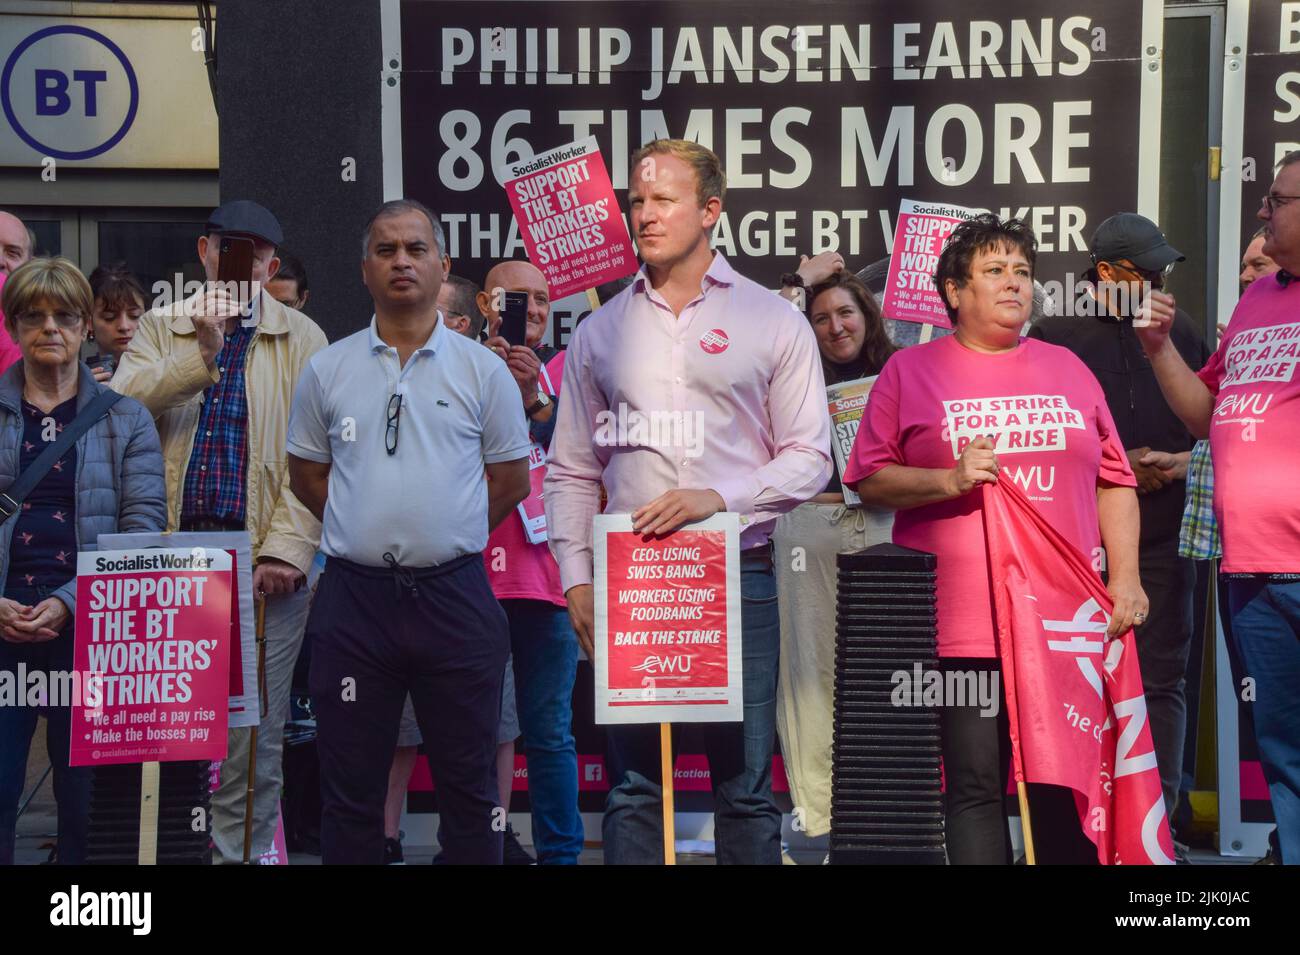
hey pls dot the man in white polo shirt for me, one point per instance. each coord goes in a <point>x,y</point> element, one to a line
<point>391,431</point>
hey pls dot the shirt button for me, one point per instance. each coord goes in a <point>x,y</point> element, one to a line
<point>203,467</point>
<point>679,379</point>
<point>686,464</point>
<point>209,434</point>
<point>222,370</point>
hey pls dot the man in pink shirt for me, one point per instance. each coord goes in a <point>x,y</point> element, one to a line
<point>690,337</point>
<point>526,580</point>
<point>1247,400</point>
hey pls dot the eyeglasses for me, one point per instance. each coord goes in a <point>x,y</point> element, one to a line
<point>36,319</point>
<point>1155,279</point>
<point>1274,201</point>
<point>394,417</point>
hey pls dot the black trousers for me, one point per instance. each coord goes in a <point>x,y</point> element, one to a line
<point>377,634</point>
<point>1163,643</point>
<point>976,764</point>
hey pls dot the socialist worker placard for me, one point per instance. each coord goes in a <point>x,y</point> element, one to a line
<point>152,646</point>
<point>569,219</point>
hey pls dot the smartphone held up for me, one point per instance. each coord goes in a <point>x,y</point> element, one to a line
<point>514,318</point>
<point>235,271</point>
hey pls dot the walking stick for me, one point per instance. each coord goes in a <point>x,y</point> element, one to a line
<point>666,768</point>
<point>252,739</point>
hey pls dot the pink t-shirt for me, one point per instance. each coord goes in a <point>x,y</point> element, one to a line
<point>1255,430</point>
<point>1054,437</point>
<point>518,570</point>
<point>9,350</point>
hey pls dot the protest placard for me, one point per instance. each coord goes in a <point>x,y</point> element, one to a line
<point>153,641</point>
<point>847,402</point>
<point>919,235</point>
<point>568,217</point>
<point>667,622</point>
<point>244,705</point>
<point>532,510</point>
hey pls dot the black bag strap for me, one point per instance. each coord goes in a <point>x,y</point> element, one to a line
<point>11,499</point>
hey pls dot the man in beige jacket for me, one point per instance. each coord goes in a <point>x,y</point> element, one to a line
<point>218,373</point>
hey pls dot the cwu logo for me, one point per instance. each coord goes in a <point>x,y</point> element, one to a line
<point>654,663</point>
<point>69,92</point>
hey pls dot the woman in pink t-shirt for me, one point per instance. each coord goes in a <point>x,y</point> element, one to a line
<point>981,405</point>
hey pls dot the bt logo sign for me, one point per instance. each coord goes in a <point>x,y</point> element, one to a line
<point>52,97</point>
<point>69,92</point>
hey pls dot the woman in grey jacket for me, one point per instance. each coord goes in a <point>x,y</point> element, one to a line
<point>110,480</point>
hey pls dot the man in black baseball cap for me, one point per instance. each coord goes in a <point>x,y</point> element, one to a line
<point>1130,260</point>
<point>218,372</point>
<point>1133,244</point>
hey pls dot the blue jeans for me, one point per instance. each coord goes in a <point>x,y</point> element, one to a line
<point>747,823</point>
<point>1266,625</point>
<point>17,724</point>
<point>546,665</point>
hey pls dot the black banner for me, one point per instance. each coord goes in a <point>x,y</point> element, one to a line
<point>1272,113</point>
<point>825,114</point>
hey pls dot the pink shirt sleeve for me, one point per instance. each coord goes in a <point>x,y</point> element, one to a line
<point>9,350</point>
<point>878,443</point>
<point>1114,467</point>
<point>573,472</point>
<point>1212,373</point>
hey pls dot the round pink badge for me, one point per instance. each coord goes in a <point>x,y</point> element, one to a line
<point>714,341</point>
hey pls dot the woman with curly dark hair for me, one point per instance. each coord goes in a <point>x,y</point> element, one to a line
<point>853,344</point>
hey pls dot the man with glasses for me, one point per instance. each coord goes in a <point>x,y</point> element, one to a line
<point>1246,398</point>
<point>391,432</point>
<point>458,302</point>
<point>1130,262</point>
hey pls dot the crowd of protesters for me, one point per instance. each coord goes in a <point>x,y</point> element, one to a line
<point>413,455</point>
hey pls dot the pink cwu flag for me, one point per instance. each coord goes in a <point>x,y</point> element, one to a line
<point>1075,703</point>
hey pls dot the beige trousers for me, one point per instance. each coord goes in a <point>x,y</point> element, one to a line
<point>807,540</point>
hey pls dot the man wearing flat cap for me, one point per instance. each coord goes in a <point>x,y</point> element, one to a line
<point>1130,261</point>
<point>218,372</point>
